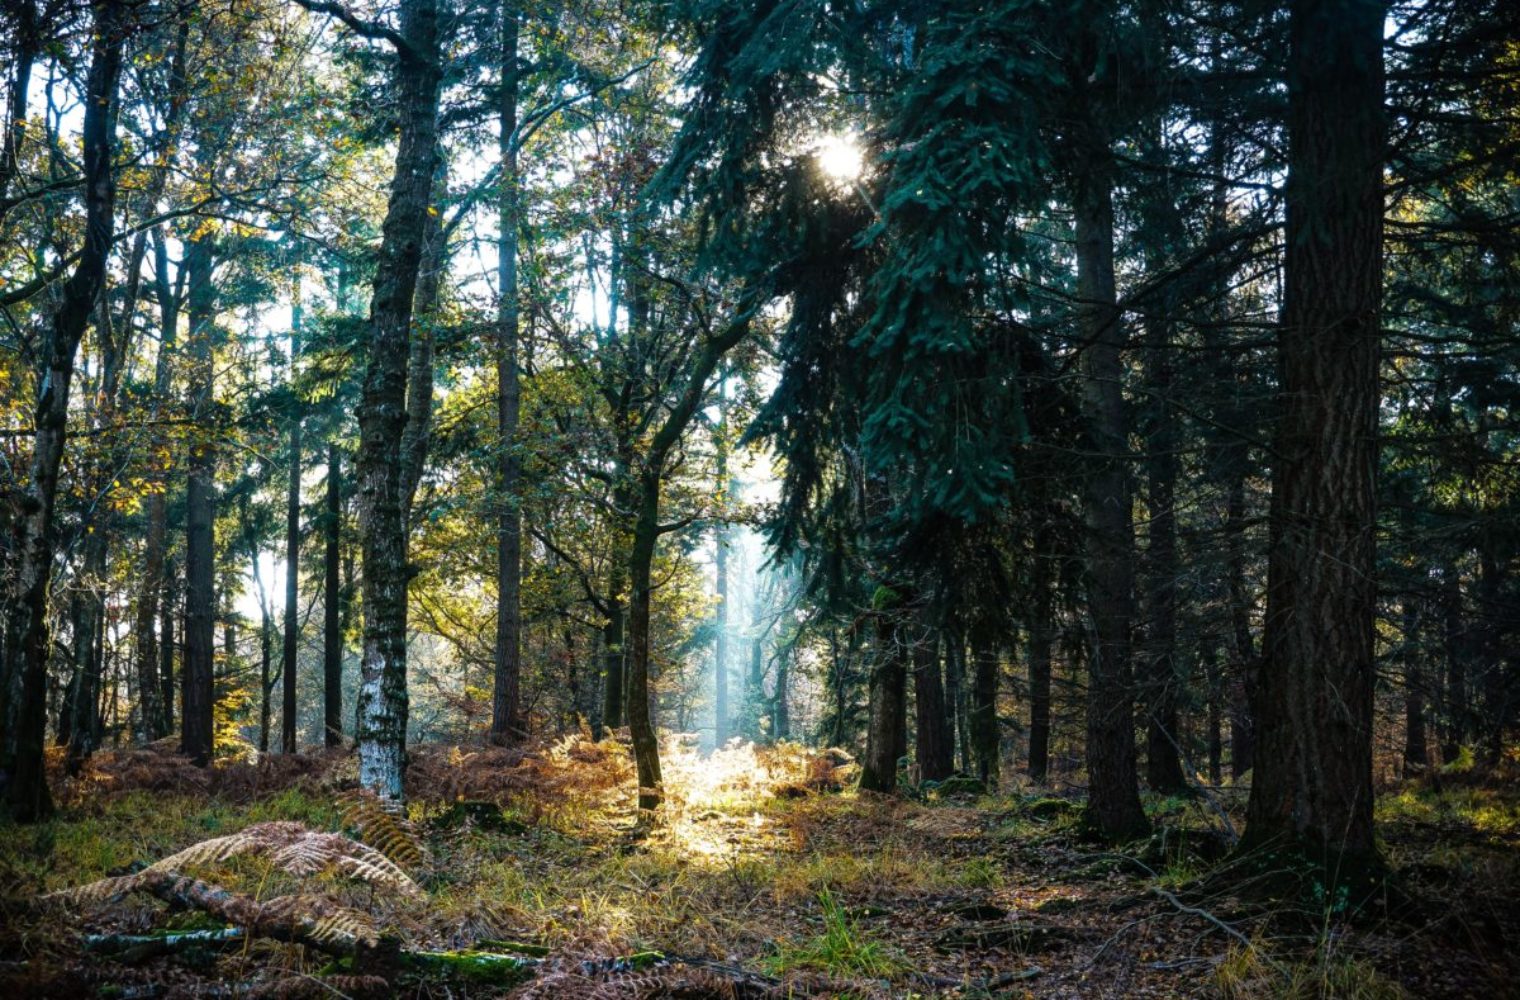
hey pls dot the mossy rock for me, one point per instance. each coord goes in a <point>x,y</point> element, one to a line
<point>1050,807</point>
<point>956,785</point>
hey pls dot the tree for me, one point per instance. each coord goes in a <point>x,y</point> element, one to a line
<point>1312,786</point>
<point>27,642</point>
<point>382,704</point>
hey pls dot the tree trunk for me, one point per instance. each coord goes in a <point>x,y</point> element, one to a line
<point>720,640</point>
<point>986,744</point>
<point>332,628</point>
<point>887,737</point>
<point>292,627</point>
<point>28,645</point>
<point>955,695</point>
<point>1456,663</point>
<point>25,51</point>
<point>1041,631</point>
<point>1113,804</point>
<point>166,619</point>
<point>198,690</point>
<point>1163,758</point>
<point>646,751</point>
<point>506,725</point>
<point>935,735</point>
<point>781,706</point>
<point>1312,784</point>
<point>1415,755</point>
<point>382,703</point>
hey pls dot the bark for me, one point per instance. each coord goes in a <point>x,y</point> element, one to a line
<point>332,628</point>
<point>291,632</point>
<point>198,683</point>
<point>720,641</point>
<point>956,700</point>
<point>27,48</point>
<point>645,534</point>
<point>1457,731</point>
<point>1041,632</point>
<point>1208,657</point>
<point>1163,758</point>
<point>1113,806</point>
<point>1245,664</point>
<point>982,717</point>
<point>382,703</point>
<point>645,746</point>
<point>166,683</point>
<point>886,737</point>
<point>266,642</point>
<point>27,649</point>
<point>506,725</point>
<point>158,707</point>
<point>781,706</point>
<point>935,734</point>
<point>1415,754</point>
<point>1311,789</point>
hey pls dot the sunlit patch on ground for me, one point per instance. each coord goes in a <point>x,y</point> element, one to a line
<point>758,860</point>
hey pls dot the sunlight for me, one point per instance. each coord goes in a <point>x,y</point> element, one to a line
<point>840,158</point>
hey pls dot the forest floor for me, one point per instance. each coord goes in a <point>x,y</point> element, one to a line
<point>757,879</point>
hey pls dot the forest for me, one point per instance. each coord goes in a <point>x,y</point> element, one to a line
<point>759,498</point>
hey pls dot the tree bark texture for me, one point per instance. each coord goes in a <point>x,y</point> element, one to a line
<point>382,703</point>
<point>28,643</point>
<point>1312,785</point>
<point>1113,805</point>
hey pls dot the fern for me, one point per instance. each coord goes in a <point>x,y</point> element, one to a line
<point>289,846</point>
<point>378,824</point>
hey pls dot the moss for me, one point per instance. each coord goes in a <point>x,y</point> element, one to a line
<point>485,967</point>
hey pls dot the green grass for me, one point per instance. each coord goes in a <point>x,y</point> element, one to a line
<point>843,949</point>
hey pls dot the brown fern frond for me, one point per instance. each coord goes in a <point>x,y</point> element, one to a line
<point>380,826</point>
<point>290,846</point>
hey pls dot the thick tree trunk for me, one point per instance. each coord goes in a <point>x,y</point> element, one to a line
<point>197,678</point>
<point>382,703</point>
<point>887,736</point>
<point>1113,805</point>
<point>506,724</point>
<point>292,629</point>
<point>1312,785</point>
<point>28,644</point>
<point>332,627</point>
<point>935,735</point>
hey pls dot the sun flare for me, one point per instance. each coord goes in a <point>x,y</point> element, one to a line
<point>840,158</point>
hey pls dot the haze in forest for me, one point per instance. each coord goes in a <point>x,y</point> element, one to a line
<point>766,498</point>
